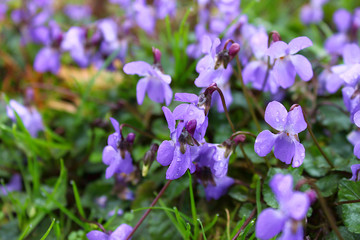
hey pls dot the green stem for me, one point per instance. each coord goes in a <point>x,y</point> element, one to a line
<point>348,202</point>
<point>246,94</point>
<point>316,142</point>
<point>193,208</point>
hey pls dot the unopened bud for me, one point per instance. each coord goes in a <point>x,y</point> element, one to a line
<point>275,36</point>
<point>157,56</point>
<point>149,158</point>
<point>233,50</point>
<point>130,138</point>
<point>239,138</point>
<point>191,127</point>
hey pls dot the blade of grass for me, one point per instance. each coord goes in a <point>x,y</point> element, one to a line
<point>48,231</point>
<point>202,229</point>
<point>193,208</point>
<point>77,199</point>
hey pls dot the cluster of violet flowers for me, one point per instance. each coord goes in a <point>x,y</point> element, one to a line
<point>270,65</point>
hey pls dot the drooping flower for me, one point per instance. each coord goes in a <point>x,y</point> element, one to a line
<point>120,233</point>
<point>287,147</point>
<point>117,153</point>
<point>13,185</point>
<point>219,189</point>
<point>30,117</point>
<point>355,169</point>
<point>293,206</point>
<point>155,83</point>
<point>288,63</point>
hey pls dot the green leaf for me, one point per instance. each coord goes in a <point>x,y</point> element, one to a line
<point>328,185</point>
<point>349,190</point>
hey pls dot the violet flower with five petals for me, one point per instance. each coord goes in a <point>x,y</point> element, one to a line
<point>287,147</point>
<point>293,208</point>
<point>288,63</point>
<point>154,82</point>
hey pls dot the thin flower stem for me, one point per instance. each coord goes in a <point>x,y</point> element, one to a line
<point>246,94</point>
<point>348,202</point>
<point>243,133</point>
<point>252,214</point>
<point>149,210</point>
<point>316,142</point>
<point>225,108</point>
<point>149,135</point>
<point>326,210</point>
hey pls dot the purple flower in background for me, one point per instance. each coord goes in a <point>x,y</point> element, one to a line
<point>155,83</point>
<point>219,189</point>
<point>13,185</point>
<point>286,143</point>
<point>255,71</point>
<point>355,169</point>
<point>313,12</point>
<point>351,98</point>
<point>164,8</point>
<point>120,233</point>
<point>180,150</point>
<point>30,117</point>
<point>293,206</point>
<point>288,64</point>
<point>116,154</point>
<point>77,12</point>
<point>330,81</point>
<point>144,16</point>
<point>350,70</point>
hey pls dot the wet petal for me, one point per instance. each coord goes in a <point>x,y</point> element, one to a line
<point>169,118</point>
<point>181,111</point>
<point>276,115</point>
<point>165,153</point>
<point>302,67</point>
<point>284,73</point>
<point>299,154</point>
<point>205,63</point>
<point>179,164</point>
<point>269,223</point>
<point>295,122</point>
<point>140,68</point>
<point>264,143</point>
<point>299,43</point>
<point>357,118</point>
<point>141,89</point>
<point>284,148</point>
<point>115,125</point>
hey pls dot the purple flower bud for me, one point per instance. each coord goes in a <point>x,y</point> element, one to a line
<point>233,50</point>
<point>311,195</point>
<point>191,126</point>
<point>275,36</point>
<point>157,56</point>
<point>239,138</point>
<point>130,138</point>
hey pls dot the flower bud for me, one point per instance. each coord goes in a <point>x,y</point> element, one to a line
<point>311,195</point>
<point>275,36</point>
<point>157,56</point>
<point>191,127</point>
<point>233,50</point>
<point>239,138</point>
<point>149,158</point>
<point>130,138</point>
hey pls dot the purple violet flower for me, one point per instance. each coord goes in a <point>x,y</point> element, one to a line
<point>120,233</point>
<point>355,169</point>
<point>30,117</point>
<point>286,143</point>
<point>144,16</point>
<point>13,185</point>
<point>350,70</point>
<point>116,154</point>
<point>313,12</point>
<point>351,98</point>
<point>354,139</point>
<point>180,151</point>
<point>219,189</point>
<point>293,206</point>
<point>288,64</point>
<point>155,83</point>
<point>77,12</point>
